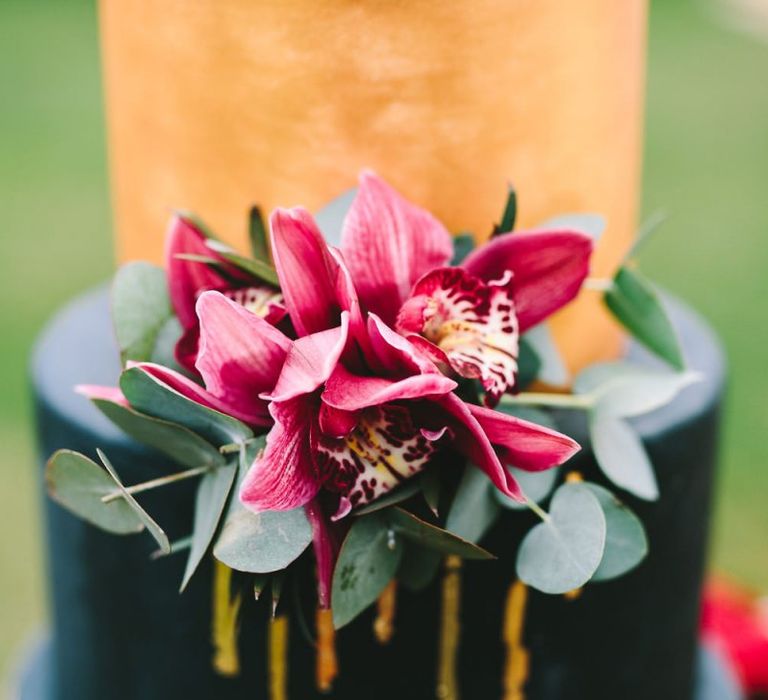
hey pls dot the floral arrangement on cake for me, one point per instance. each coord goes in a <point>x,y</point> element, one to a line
<point>376,404</point>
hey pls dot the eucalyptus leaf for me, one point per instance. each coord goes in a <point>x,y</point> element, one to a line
<point>260,543</point>
<point>509,215</point>
<point>397,495</point>
<point>418,567</point>
<point>635,303</point>
<point>535,485</point>
<point>625,389</point>
<point>529,413</point>
<point>141,307</point>
<point>552,368</point>
<point>148,395</point>
<point>474,508</point>
<point>176,441</point>
<point>78,484</point>
<point>563,552</point>
<point>165,345</point>
<point>621,455</point>
<point>258,235</point>
<point>528,365</point>
<point>626,544</point>
<point>152,527</point>
<point>433,537</point>
<point>257,268</point>
<point>591,224</point>
<point>463,245</point>
<point>278,579</point>
<point>330,218</point>
<point>367,562</point>
<point>431,487</point>
<point>210,501</point>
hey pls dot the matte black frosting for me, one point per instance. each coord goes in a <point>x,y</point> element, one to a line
<point>121,630</point>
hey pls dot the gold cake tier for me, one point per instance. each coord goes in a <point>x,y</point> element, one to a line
<point>213,106</point>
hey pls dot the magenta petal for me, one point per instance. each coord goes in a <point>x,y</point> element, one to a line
<point>257,415</point>
<point>471,440</point>
<point>352,392</point>
<point>102,393</point>
<point>310,362</point>
<point>391,353</point>
<point>308,272</point>
<point>283,476</point>
<point>240,354</point>
<point>186,279</point>
<point>326,541</point>
<point>388,244</point>
<point>549,268</point>
<point>526,445</point>
<point>336,423</point>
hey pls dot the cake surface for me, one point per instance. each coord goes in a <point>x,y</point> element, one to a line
<point>121,630</point>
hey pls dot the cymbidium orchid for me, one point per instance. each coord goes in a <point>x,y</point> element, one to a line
<point>468,318</point>
<point>357,408</point>
<point>189,276</point>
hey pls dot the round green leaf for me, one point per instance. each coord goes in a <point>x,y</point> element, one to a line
<point>140,308</point>
<point>474,508</point>
<point>367,562</point>
<point>433,537</point>
<point>621,455</point>
<point>260,543</point>
<point>626,390</point>
<point>564,552</point>
<point>591,224</point>
<point>78,484</point>
<point>552,369</point>
<point>625,542</point>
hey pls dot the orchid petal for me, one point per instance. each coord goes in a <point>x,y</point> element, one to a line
<point>471,440</point>
<point>186,278</point>
<point>352,392</point>
<point>308,272</point>
<point>391,353</point>
<point>327,537</point>
<point>240,354</point>
<point>525,445</point>
<point>383,450</point>
<point>473,322</point>
<point>549,268</point>
<point>283,476</point>
<point>388,244</point>
<point>310,361</point>
<point>336,423</point>
<point>103,393</point>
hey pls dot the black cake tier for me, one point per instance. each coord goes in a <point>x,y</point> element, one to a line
<point>121,630</point>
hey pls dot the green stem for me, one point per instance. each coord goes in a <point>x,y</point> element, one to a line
<point>154,483</point>
<point>530,398</point>
<point>536,509</point>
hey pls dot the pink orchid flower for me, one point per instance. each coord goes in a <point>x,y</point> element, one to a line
<point>189,278</point>
<point>357,408</point>
<point>467,318</point>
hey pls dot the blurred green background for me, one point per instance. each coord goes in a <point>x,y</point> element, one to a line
<point>706,165</point>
